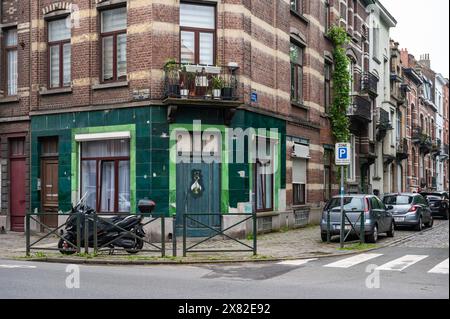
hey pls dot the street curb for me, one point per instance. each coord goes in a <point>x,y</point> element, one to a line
<point>218,261</point>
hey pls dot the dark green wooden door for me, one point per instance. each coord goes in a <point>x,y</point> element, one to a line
<point>198,191</point>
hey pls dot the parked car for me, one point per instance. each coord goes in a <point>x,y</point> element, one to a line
<point>439,203</point>
<point>377,217</point>
<point>409,209</point>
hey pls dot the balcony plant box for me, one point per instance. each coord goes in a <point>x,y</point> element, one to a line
<point>173,76</point>
<point>217,84</point>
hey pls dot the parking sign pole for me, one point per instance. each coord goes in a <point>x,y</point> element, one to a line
<point>342,208</point>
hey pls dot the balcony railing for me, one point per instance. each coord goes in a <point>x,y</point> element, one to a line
<point>369,84</point>
<point>436,146</point>
<point>402,149</point>
<point>423,140</point>
<point>383,124</point>
<point>445,149</point>
<point>360,109</point>
<point>199,82</point>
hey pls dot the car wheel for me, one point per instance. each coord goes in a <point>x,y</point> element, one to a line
<point>430,223</point>
<point>324,237</point>
<point>373,237</point>
<point>391,232</point>
<point>419,226</point>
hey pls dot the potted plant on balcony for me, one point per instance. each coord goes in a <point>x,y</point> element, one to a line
<point>185,82</point>
<point>217,84</point>
<point>173,77</point>
<point>227,90</point>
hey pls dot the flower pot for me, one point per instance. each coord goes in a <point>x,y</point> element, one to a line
<point>173,90</point>
<point>217,94</point>
<point>227,93</point>
<point>184,93</point>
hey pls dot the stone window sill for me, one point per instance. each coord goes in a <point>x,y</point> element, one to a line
<point>112,85</point>
<point>9,99</point>
<point>45,92</point>
<point>300,105</point>
<point>300,16</point>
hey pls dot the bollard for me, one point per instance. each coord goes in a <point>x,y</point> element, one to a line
<point>363,228</point>
<point>95,234</point>
<point>174,236</point>
<point>86,235</point>
<point>28,235</point>
<point>78,232</point>
<point>328,227</point>
<point>184,235</point>
<point>163,236</point>
<point>255,234</point>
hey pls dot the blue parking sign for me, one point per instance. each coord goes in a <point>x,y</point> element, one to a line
<point>343,154</point>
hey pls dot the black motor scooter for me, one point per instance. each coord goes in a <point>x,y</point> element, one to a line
<point>112,232</point>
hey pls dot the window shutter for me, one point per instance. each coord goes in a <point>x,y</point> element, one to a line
<point>299,171</point>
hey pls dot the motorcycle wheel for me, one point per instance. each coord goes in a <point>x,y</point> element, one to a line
<point>137,248</point>
<point>65,248</point>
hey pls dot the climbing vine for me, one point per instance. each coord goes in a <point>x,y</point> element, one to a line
<point>341,86</point>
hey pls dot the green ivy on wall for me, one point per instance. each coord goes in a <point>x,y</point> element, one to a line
<point>341,86</point>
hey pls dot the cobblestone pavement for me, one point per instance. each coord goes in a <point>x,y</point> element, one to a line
<point>435,238</point>
<point>288,244</point>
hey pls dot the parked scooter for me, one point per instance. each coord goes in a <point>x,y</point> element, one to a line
<point>108,231</point>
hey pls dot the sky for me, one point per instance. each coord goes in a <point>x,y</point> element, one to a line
<point>423,27</point>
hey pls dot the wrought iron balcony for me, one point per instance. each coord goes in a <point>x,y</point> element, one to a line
<point>200,82</point>
<point>360,109</point>
<point>369,84</point>
<point>436,147</point>
<point>423,140</point>
<point>383,124</point>
<point>402,149</point>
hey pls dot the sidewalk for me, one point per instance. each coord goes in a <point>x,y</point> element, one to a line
<point>292,244</point>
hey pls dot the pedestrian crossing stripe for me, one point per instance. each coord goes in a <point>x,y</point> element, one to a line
<point>352,261</point>
<point>441,268</point>
<point>402,263</point>
<point>296,262</point>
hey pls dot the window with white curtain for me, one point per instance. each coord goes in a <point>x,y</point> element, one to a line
<point>299,172</point>
<point>11,61</point>
<point>197,33</point>
<point>105,175</point>
<point>264,174</point>
<point>60,53</point>
<point>114,44</point>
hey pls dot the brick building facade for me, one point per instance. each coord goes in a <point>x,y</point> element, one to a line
<point>106,94</point>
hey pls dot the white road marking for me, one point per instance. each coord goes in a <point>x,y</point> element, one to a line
<point>296,262</point>
<point>17,266</point>
<point>442,268</point>
<point>352,261</point>
<point>402,263</point>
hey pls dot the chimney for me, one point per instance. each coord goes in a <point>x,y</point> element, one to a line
<point>425,60</point>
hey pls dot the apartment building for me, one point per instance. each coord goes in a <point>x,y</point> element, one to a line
<point>384,111</point>
<point>15,103</point>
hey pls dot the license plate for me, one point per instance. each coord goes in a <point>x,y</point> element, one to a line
<point>347,227</point>
<point>399,219</point>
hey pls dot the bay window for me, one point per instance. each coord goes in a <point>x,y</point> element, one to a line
<point>11,61</point>
<point>114,44</point>
<point>197,33</point>
<point>105,175</point>
<point>59,47</point>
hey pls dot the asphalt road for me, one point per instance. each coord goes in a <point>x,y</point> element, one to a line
<point>406,271</point>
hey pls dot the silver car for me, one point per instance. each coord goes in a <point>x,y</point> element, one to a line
<point>409,209</point>
<point>377,217</point>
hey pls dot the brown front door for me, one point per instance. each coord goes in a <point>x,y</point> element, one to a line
<point>49,182</point>
<point>17,189</point>
<point>49,188</point>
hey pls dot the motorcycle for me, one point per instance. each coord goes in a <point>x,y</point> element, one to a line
<point>112,232</point>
